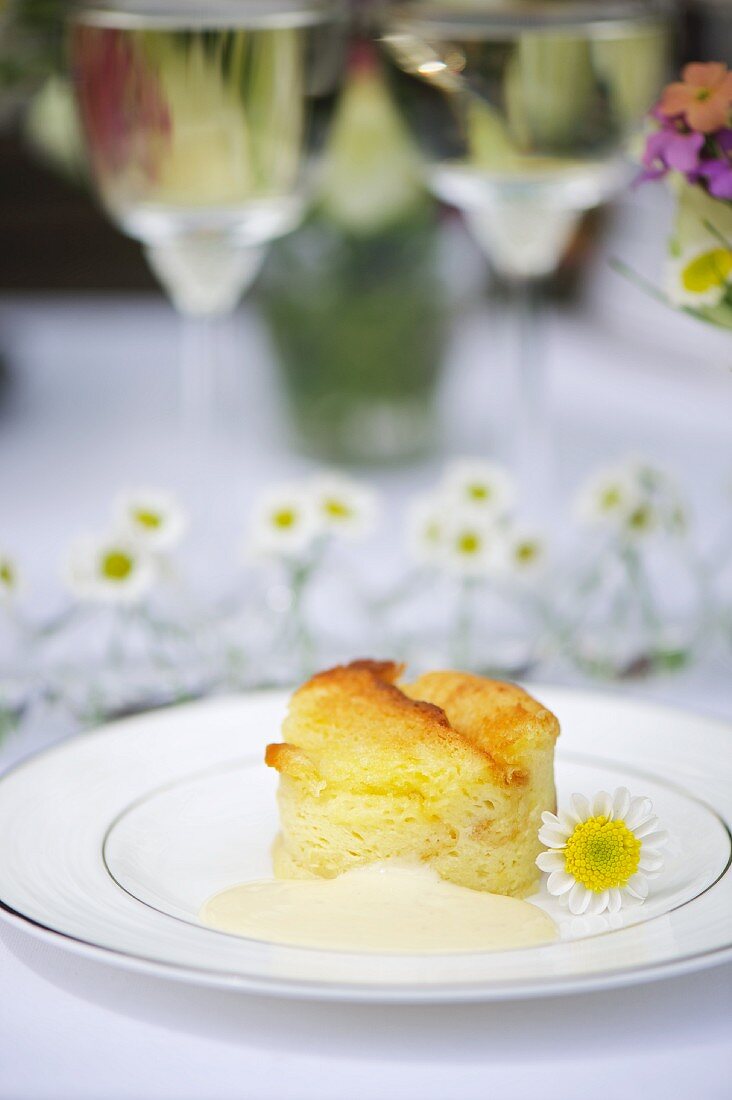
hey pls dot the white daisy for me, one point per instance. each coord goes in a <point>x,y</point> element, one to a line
<point>470,546</point>
<point>151,517</point>
<point>631,499</point>
<point>285,523</point>
<point>345,507</point>
<point>479,484</point>
<point>601,853</point>
<point>111,569</point>
<point>10,578</point>
<point>425,523</point>
<point>699,277</point>
<point>525,553</point>
<point>610,497</point>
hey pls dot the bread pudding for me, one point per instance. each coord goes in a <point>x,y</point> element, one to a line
<point>453,770</point>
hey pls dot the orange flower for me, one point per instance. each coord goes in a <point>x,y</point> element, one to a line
<point>704,98</point>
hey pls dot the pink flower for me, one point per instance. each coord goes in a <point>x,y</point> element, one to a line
<point>703,99</point>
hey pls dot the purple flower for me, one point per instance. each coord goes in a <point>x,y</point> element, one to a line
<point>669,149</point>
<point>718,174</point>
<point>723,138</point>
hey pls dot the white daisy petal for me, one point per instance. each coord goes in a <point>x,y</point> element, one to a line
<point>552,836</point>
<point>655,841</point>
<point>579,899</point>
<point>639,810</point>
<point>550,861</point>
<point>614,901</point>
<point>650,863</point>
<point>621,803</point>
<point>559,883</point>
<point>568,820</point>
<point>549,818</point>
<point>581,807</point>
<point>646,827</point>
<point>602,805</point>
<point>637,886</point>
<point>598,903</point>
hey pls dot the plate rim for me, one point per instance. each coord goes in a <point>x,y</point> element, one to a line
<point>349,991</point>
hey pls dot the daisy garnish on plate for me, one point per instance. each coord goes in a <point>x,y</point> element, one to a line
<point>601,853</point>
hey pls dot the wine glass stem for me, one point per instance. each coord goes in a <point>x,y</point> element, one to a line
<point>533,436</point>
<point>199,368</point>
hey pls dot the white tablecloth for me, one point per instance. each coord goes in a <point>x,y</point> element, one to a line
<point>92,409</point>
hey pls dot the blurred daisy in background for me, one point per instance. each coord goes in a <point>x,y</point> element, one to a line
<point>470,546</point>
<point>152,517</point>
<point>425,523</point>
<point>345,507</point>
<point>631,499</point>
<point>109,569</point>
<point>524,553</point>
<point>10,577</point>
<point>285,523</point>
<point>608,497</point>
<point>601,853</point>
<point>477,483</point>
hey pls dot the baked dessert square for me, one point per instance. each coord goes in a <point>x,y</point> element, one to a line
<point>453,770</point>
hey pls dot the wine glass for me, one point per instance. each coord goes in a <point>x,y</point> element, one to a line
<point>201,120</point>
<point>524,110</point>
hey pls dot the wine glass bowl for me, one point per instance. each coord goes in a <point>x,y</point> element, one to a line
<point>200,119</point>
<point>524,109</point>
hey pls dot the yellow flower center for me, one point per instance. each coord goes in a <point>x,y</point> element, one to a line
<point>705,272</point>
<point>7,574</point>
<point>611,498</point>
<point>641,519</point>
<point>116,565</point>
<point>479,491</point>
<point>284,518</point>
<point>151,520</point>
<point>469,543</point>
<point>336,509</point>
<point>526,552</point>
<point>602,854</point>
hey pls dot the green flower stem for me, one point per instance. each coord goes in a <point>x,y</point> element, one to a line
<point>462,641</point>
<point>568,632</point>
<point>639,581</point>
<point>304,644</point>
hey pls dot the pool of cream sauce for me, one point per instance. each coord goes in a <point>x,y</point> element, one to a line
<point>385,907</point>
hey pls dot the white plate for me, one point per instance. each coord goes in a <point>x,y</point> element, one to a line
<point>112,841</point>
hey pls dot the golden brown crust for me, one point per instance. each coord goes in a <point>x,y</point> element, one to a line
<point>489,720</point>
<point>499,718</point>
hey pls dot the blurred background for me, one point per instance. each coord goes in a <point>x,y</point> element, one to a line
<point>375,338</point>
